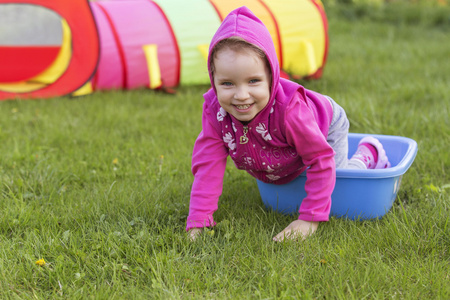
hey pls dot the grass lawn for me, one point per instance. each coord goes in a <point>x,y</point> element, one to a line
<point>99,187</point>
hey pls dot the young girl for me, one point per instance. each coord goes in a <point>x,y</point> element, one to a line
<point>273,128</point>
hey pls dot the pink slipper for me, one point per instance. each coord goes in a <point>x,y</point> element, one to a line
<point>383,161</point>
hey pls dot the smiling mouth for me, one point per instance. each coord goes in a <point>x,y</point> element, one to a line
<point>243,106</point>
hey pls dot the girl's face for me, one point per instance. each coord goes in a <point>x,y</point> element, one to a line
<point>242,81</point>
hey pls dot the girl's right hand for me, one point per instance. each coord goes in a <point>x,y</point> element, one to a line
<point>194,233</point>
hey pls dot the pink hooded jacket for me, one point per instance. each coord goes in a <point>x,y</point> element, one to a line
<point>285,138</point>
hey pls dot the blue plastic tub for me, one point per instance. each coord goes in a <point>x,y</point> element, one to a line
<point>358,194</point>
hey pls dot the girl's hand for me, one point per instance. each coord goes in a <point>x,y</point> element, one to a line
<point>194,233</point>
<point>298,229</point>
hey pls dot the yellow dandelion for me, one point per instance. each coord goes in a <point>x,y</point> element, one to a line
<point>323,261</point>
<point>115,161</point>
<point>14,110</point>
<point>41,262</point>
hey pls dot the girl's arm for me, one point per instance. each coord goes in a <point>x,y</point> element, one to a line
<point>208,167</point>
<point>304,133</point>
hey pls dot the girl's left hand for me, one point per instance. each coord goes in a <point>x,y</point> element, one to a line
<point>194,233</point>
<point>298,229</point>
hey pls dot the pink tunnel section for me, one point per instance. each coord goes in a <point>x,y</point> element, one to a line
<point>124,28</point>
<point>110,71</point>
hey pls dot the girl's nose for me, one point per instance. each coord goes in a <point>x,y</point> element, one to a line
<point>241,94</point>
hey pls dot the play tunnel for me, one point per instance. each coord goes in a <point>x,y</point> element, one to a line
<point>128,44</point>
<point>45,69</point>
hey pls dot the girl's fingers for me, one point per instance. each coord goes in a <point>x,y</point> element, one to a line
<point>194,233</point>
<point>282,235</point>
<point>289,234</point>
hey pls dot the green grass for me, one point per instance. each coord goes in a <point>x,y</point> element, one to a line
<point>84,186</point>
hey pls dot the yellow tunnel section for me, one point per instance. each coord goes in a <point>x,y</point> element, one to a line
<point>261,11</point>
<point>304,40</point>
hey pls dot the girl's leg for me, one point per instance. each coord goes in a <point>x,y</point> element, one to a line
<point>338,135</point>
<point>370,153</point>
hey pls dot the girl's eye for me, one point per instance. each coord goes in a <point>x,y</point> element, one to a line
<point>226,83</point>
<point>254,80</point>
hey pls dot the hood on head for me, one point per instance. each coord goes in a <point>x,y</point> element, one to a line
<point>242,23</point>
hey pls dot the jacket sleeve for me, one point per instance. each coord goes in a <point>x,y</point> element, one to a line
<point>209,160</point>
<point>304,133</point>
